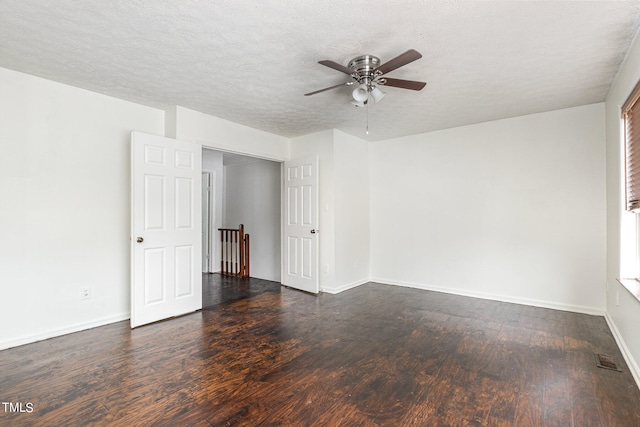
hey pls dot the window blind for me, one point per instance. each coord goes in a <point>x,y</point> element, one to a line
<point>631,120</point>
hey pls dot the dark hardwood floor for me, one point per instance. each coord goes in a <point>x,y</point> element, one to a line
<point>375,355</point>
<point>218,289</point>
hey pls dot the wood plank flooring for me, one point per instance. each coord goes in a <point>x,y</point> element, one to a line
<point>218,289</point>
<point>375,355</point>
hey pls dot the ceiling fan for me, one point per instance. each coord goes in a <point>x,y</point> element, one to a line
<point>368,74</point>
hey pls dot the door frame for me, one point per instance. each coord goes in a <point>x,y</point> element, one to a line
<point>211,210</point>
<point>218,178</point>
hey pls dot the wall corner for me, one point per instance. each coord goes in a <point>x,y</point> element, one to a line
<point>170,122</point>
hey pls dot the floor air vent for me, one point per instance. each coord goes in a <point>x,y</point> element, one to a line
<point>606,362</point>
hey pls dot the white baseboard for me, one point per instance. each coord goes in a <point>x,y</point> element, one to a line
<point>338,289</point>
<point>335,290</point>
<point>494,297</point>
<point>628,357</point>
<point>28,339</point>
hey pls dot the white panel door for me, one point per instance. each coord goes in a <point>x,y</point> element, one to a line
<point>166,251</point>
<point>301,224</point>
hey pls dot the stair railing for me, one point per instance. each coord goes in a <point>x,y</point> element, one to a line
<point>235,252</point>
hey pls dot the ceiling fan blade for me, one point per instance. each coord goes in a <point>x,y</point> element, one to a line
<point>404,84</point>
<point>336,66</point>
<point>400,60</point>
<point>326,88</point>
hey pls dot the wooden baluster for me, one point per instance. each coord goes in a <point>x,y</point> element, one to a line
<point>233,252</point>
<point>241,249</point>
<point>236,252</point>
<point>226,238</point>
<point>222,251</point>
<point>246,257</point>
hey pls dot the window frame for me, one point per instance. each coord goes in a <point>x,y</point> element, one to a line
<point>630,113</point>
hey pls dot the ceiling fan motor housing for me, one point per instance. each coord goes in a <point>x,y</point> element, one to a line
<point>363,67</point>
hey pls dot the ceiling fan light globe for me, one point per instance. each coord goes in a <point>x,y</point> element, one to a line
<point>361,93</point>
<point>377,94</point>
<point>359,103</point>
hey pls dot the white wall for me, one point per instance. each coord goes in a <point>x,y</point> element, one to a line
<point>511,210</point>
<point>64,221</point>
<point>220,134</point>
<point>623,310</point>
<point>252,198</point>
<point>351,174</point>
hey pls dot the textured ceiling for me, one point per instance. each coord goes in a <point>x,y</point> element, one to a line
<point>251,62</point>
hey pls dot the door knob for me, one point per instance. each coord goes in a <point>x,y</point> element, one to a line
<point>314,231</point>
<point>139,240</point>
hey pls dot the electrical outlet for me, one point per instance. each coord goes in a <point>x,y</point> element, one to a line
<point>85,293</point>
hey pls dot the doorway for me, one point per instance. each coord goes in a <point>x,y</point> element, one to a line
<point>243,190</point>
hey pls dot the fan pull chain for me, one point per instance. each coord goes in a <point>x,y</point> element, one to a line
<point>368,102</point>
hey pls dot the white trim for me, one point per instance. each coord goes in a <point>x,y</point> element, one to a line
<point>494,297</point>
<point>337,290</point>
<point>260,155</point>
<point>628,357</point>
<point>63,331</point>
